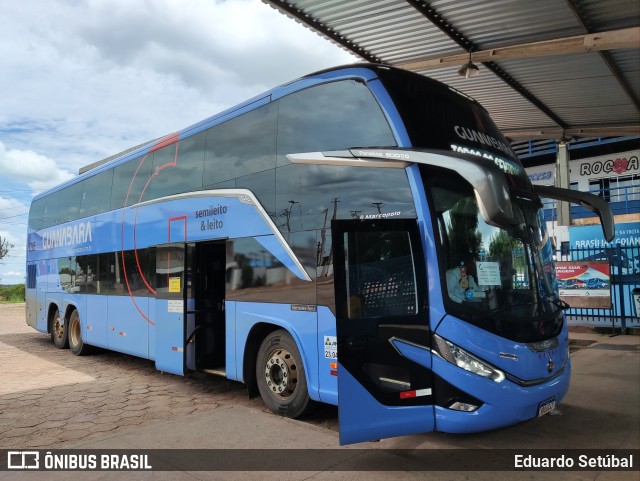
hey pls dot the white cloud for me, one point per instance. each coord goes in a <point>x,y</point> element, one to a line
<point>14,239</point>
<point>17,274</point>
<point>86,79</point>
<point>37,171</point>
<point>15,259</point>
<point>89,79</point>
<point>11,206</point>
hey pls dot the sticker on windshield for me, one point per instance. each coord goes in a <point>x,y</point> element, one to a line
<point>488,273</point>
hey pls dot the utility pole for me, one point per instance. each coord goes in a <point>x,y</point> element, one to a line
<point>562,180</point>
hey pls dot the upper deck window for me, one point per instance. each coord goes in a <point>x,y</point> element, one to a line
<point>241,146</point>
<point>331,116</point>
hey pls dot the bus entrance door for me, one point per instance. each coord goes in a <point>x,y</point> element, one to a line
<point>205,309</point>
<point>384,356</point>
<point>171,306</point>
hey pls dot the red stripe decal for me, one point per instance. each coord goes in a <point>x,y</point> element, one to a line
<point>168,140</point>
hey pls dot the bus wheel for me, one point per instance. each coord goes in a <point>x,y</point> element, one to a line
<point>77,346</point>
<point>59,334</point>
<point>281,377</point>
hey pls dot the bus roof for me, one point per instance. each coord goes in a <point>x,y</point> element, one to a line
<point>364,71</point>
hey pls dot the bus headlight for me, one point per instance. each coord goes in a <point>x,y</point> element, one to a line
<point>465,360</point>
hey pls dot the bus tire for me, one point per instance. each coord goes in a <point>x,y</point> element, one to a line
<point>281,377</point>
<point>59,331</point>
<point>76,344</point>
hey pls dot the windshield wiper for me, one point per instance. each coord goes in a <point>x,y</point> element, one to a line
<point>508,308</point>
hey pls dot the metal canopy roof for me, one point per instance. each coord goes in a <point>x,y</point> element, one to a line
<point>548,69</point>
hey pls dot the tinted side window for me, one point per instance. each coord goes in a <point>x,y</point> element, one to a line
<point>108,273</point>
<point>50,212</point>
<point>91,274</point>
<point>181,165</point>
<point>331,116</point>
<point>380,274</point>
<point>36,214</point>
<point>96,194</point>
<point>31,276</point>
<point>138,272</point>
<point>129,181</point>
<point>70,198</point>
<point>241,146</point>
<point>67,273</point>
<point>309,196</point>
<point>253,274</point>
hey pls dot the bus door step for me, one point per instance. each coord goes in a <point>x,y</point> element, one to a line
<point>218,371</point>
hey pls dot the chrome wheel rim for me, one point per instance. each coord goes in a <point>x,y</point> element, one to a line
<point>281,374</point>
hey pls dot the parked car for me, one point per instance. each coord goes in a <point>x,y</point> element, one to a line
<point>573,284</point>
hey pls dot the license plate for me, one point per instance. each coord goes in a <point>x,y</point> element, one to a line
<point>546,407</point>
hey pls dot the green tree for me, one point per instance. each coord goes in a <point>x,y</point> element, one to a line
<point>510,252</point>
<point>4,247</point>
<point>501,245</point>
<point>464,237</point>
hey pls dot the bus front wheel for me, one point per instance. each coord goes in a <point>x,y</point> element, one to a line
<point>77,346</point>
<point>59,331</point>
<point>280,376</point>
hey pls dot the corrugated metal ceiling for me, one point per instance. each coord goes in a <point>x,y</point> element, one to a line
<point>562,93</point>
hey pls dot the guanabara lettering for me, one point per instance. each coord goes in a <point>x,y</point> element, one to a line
<point>67,236</point>
<point>481,138</point>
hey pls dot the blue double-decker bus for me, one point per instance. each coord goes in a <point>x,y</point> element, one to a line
<point>363,236</point>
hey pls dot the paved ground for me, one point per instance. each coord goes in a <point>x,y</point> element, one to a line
<point>52,399</point>
<point>49,396</point>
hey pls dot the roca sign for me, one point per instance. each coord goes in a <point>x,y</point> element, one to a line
<point>619,166</point>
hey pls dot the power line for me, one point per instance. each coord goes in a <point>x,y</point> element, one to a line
<point>13,208</point>
<point>22,190</point>
<point>12,216</point>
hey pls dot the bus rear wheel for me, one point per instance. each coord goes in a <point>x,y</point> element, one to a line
<point>59,331</point>
<point>77,346</point>
<point>281,377</point>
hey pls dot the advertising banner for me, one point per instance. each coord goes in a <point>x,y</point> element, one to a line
<point>588,244</point>
<point>584,283</point>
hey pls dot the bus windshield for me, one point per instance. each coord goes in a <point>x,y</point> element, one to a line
<point>499,278</point>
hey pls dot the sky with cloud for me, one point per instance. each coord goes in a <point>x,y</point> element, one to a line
<point>84,79</point>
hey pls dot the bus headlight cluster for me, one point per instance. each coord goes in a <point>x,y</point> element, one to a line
<point>465,360</point>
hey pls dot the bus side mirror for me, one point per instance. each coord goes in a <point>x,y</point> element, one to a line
<point>589,201</point>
